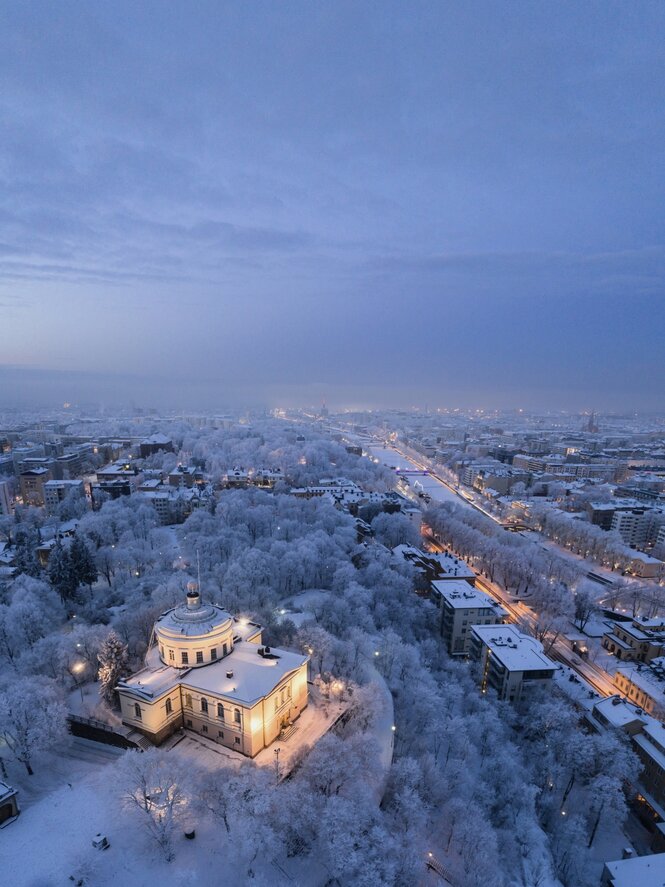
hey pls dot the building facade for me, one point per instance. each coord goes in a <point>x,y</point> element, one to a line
<point>209,673</point>
<point>511,663</point>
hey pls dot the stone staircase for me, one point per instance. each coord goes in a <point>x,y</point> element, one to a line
<point>287,732</point>
<point>139,740</point>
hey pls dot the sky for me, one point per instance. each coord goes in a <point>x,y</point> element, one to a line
<point>372,204</point>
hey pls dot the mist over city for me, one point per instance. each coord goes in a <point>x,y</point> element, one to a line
<point>332,444</point>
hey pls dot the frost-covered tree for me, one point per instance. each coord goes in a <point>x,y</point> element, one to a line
<point>395,529</point>
<point>82,563</point>
<point>113,665</point>
<point>60,572</point>
<point>31,718</point>
<point>155,786</point>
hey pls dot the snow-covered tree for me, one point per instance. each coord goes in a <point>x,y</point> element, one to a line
<point>155,786</point>
<point>113,665</point>
<point>31,718</point>
<point>82,563</point>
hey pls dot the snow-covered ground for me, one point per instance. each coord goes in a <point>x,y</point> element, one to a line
<point>319,716</point>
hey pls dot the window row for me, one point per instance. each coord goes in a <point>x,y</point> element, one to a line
<point>285,694</point>
<point>221,711</point>
<point>184,655</point>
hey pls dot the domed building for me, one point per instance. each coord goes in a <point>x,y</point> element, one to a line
<point>208,672</point>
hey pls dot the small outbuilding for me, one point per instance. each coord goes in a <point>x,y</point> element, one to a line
<point>9,808</point>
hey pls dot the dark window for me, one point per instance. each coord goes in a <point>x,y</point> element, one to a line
<point>185,658</point>
<point>171,654</point>
<point>236,716</point>
<point>137,710</point>
<point>204,706</point>
<point>199,656</point>
<point>189,723</point>
<point>213,653</point>
<point>225,649</point>
<point>188,700</point>
<point>237,740</point>
<point>220,710</point>
<point>204,728</point>
<point>220,733</point>
<point>169,706</point>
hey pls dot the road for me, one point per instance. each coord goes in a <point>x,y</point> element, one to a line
<point>437,488</point>
<point>596,677</point>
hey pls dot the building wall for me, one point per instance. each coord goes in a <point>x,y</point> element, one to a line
<point>636,694</point>
<point>256,728</point>
<point>456,625</point>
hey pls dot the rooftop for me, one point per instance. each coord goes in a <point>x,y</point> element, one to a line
<point>460,595</point>
<point>252,675</point>
<point>514,650</point>
<point>647,871</point>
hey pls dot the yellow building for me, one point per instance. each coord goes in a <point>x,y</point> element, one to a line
<point>209,672</point>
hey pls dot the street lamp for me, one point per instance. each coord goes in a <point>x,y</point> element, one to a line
<point>77,669</point>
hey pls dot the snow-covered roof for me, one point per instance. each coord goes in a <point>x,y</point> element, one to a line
<point>647,871</point>
<point>514,650</point>
<point>6,791</point>
<point>460,595</point>
<point>193,621</point>
<point>619,712</point>
<point>253,676</point>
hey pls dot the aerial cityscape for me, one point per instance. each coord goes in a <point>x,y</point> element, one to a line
<point>332,444</point>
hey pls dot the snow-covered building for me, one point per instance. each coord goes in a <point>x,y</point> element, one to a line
<point>647,871</point>
<point>9,808</point>
<point>637,640</point>
<point>461,607</point>
<point>155,444</point>
<point>55,491</point>
<point>511,662</point>
<point>644,686</point>
<point>210,673</point>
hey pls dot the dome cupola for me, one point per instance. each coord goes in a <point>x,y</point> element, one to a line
<point>194,634</point>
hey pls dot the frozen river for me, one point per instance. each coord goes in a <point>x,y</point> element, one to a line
<point>438,491</point>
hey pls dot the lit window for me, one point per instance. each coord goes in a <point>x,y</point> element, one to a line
<point>169,706</point>
<point>204,706</point>
<point>213,653</point>
<point>236,716</point>
<point>185,658</point>
<point>199,657</point>
<point>137,710</point>
<point>220,711</point>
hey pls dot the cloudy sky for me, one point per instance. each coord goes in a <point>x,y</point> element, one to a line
<point>372,203</point>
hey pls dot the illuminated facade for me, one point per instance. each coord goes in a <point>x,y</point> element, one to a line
<point>209,672</point>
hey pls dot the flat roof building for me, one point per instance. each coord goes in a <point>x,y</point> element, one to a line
<point>511,663</point>
<point>463,606</point>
